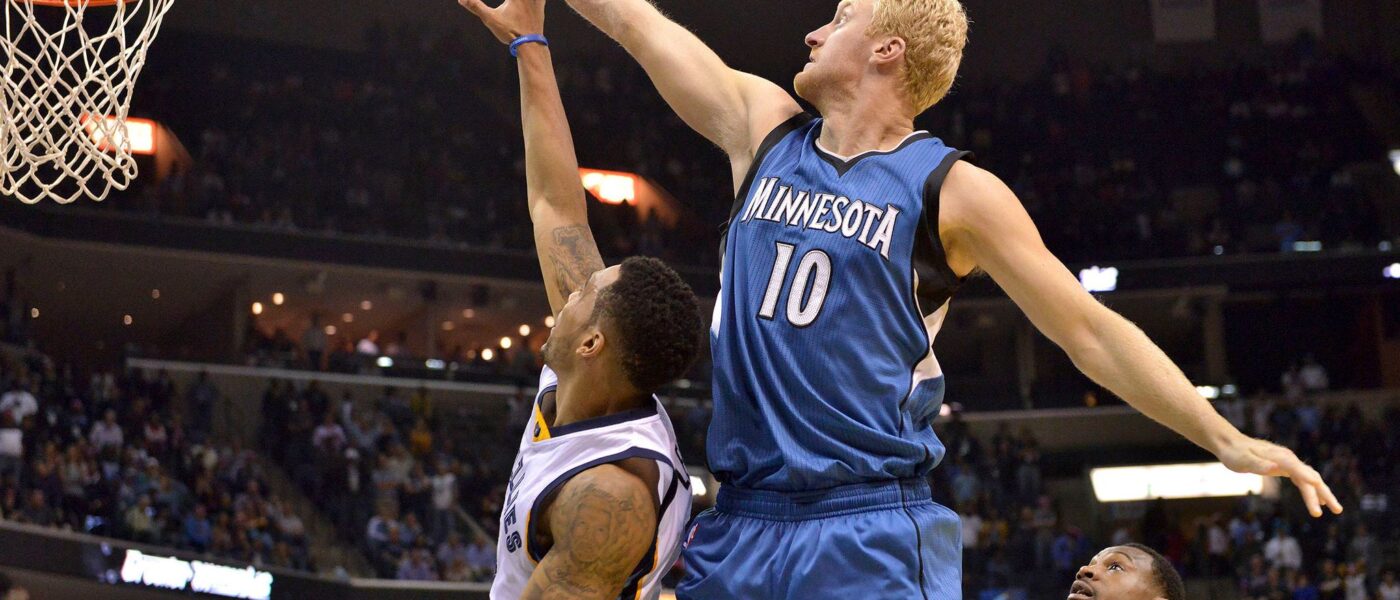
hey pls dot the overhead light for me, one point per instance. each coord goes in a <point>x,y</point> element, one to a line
<point>549,321</point>
<point>505,343</point>
<point>448,325</point>
<point>330,330</point>
<point>366,305</point>
<point>1209,392</point>
<point>257,308</point>
<point>435,364</point>
<point>468,314</point>
<point>611,187</point>
<point>155,294</point>
<point>1229,389</point>
<point>1392,272</point>
<point>348,318</point>
<point>33,313</point>
<point>384,362</point>
<point>1097,280</point>
<point>524,330</point>
<point>126,319</point>
<point>488,354</point>
<point>1395,160</point>
<point>278,298</point>
<point>1307,246</point>
<point>1200,480</point>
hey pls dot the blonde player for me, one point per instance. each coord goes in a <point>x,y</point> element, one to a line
<point>598,498</point>
<point>850,233</point>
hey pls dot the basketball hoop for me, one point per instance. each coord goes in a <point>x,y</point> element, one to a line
<point>69,69</point>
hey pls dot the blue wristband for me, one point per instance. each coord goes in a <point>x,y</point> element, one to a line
<point>532,38</point>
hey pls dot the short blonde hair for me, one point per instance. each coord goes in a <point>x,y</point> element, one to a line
<point>934,33</point>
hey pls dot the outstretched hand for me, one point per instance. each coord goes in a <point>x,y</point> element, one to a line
<point>1251,455</point>
<point>510,20</point>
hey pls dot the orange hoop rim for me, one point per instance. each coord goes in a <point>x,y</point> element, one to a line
<point>63,3</point>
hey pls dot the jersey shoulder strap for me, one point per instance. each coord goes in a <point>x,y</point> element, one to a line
<point>936,280</point>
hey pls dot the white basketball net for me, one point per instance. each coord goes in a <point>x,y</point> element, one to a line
<point>68,75</point>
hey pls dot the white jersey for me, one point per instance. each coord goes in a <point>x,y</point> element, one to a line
<point>550,456</point>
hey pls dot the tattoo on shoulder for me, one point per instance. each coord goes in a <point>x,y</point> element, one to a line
<point>596,533</point>
<point>574,256</point>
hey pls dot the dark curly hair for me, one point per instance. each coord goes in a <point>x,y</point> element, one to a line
<point>657,318</point>
<point>1164,574</point>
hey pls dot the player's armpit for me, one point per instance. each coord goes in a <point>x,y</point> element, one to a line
<point>602,522</point>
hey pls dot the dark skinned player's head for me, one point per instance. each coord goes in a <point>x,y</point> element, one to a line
<point>1128,572</point>
<point>637,323</point>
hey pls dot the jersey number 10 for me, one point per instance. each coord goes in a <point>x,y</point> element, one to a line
<point>809,286</point>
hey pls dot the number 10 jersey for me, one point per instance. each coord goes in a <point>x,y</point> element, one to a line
<point>834,285</point>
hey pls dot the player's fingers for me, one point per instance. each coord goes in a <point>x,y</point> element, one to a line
<point>476,7</point>
<point>1309,497</point>
<point>1328,498</point>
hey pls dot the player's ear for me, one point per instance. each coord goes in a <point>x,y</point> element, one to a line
<point>592,343</point>
<point>889,52</point>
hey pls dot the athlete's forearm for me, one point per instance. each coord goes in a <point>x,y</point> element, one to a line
<point>1120,357</point>
<point>551,165</point>
<point>716,101</point>
<point>567,252</point>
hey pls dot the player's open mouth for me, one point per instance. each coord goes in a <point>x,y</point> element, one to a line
<point>1080,591</point>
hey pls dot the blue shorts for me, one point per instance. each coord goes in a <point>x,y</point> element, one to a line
<point>871,541</point>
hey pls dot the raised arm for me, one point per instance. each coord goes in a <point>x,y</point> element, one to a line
<point>985,226</point>
<point>567,251</point>
<point>732,109</point>
<point>602,523</point>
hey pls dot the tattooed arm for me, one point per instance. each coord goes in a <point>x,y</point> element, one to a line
<point>602,523</point>
<point>568,255</point>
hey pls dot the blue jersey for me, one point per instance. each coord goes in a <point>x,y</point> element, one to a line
<point>834,286</point>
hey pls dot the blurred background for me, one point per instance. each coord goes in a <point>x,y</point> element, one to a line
<point>306,339</point>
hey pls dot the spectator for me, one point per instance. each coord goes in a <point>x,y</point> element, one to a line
<point>417,567</point>
<point>1313,376</point>
<point>1304,589</point>
<point>1217,549</point>
<point>1389,588</point>
<point>452,549</point>
<point>420,440</point>
<point>481,558</point>
<point>444,508</point>
<point>140,522</point>
<point>1282,550</point>
<point>313,342</point>
<point>199,531</point>
<point>458,572</point>
<point>378,529</point>
<point>19,402</point>
<point>11,446</point>
<point>1330,582</point>
<point>369,345</point>
<point>36,510</point>
<point>1355,578</point>
<point>1363,547</point>
<point>107,433</point>
<point>329,436</point>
